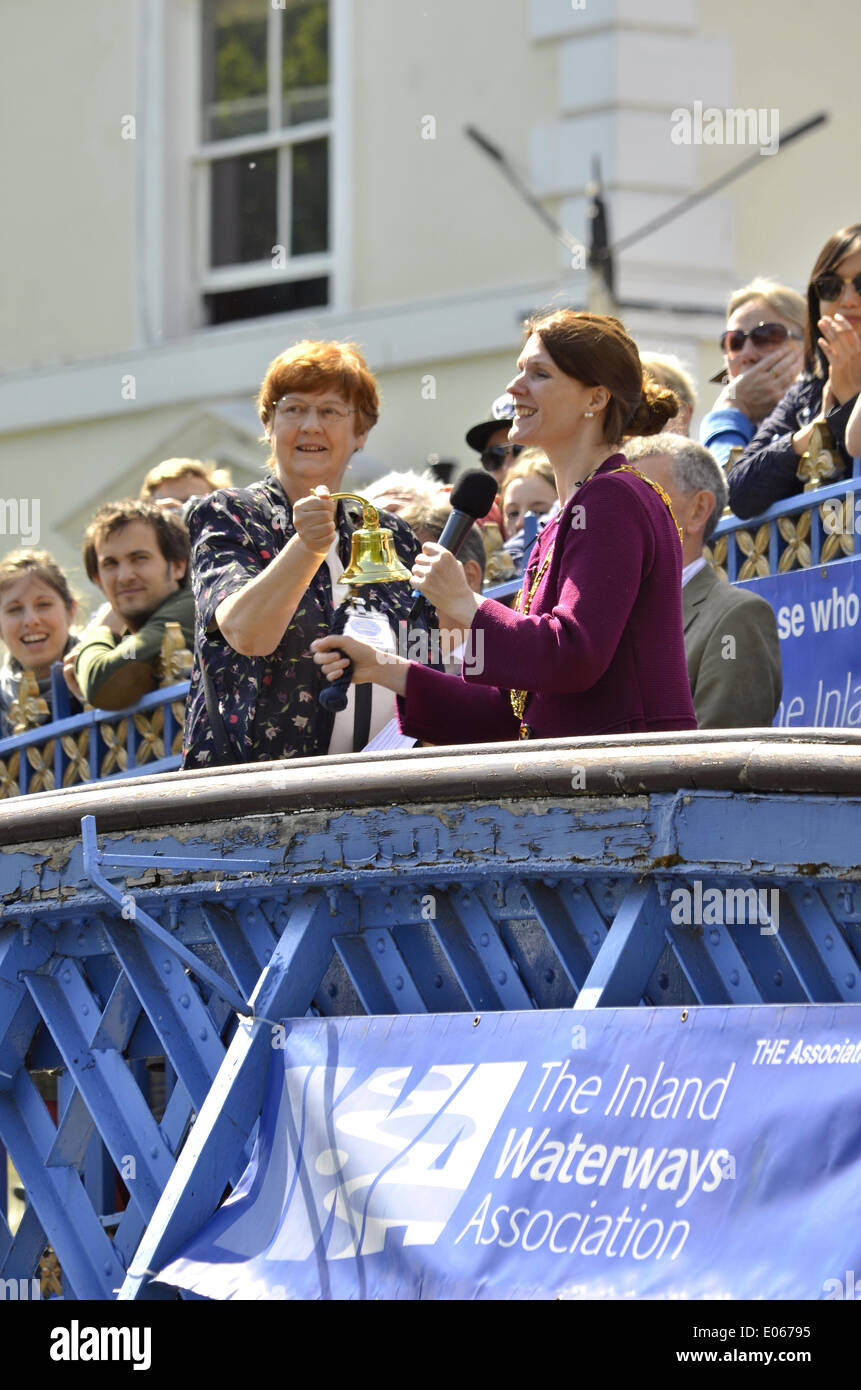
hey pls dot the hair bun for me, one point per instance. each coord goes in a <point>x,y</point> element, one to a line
<point>658,405</point>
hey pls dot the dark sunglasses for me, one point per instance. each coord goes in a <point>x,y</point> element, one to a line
<point>764,335</point>
<point>831,286</point>
<point>495,456</point>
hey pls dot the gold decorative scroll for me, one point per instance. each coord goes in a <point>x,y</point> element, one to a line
<point>755,548</point>
<point>30,709</point>
<point>795,530</point>
<point>175,659</point>
<point>150,726</point>
<point>716,556</point>
<point>821,460</point>
<point>9,771</point>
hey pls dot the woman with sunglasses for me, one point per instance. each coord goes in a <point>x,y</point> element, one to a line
<point>767,470</point>
<point>763,356</point>
<point>596,641</point>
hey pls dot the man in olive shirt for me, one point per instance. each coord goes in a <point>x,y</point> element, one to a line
<point>138,554</point>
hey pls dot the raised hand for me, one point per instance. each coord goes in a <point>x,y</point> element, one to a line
<point>314,519</point>
<point>758,389</point>
<point>842,347</point>
<point>440,577</point>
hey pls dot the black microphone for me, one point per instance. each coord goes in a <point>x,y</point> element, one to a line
<point>471,498</point>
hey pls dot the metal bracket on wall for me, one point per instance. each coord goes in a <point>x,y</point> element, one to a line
<point>94,858</point>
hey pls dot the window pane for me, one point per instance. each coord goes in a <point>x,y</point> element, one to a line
<point>309,223</point>
<point>243,217</point>
<point>305,66</point>
<point>234,68</point>
<point>282,298</point>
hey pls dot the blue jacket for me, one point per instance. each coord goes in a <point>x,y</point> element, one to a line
<point>722,430</point>
<point>766,471</point>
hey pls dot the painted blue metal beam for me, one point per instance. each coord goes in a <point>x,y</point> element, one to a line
<point>630,953</point>
<point>105,1082</point>
<point>89,1263</point>
<point>92,860</point>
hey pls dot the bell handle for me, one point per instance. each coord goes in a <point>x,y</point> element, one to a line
<point>370,515</point>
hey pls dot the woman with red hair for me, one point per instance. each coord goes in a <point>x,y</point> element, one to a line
<point>266,566</point>
<point>595,645</point>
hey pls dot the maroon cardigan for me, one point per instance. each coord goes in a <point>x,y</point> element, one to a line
<point>602,647</point>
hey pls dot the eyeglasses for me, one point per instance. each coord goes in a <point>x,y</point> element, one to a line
<point>297,414</point>
<point>495,456</point>
<point>763,335</point>
<point>831,286</point>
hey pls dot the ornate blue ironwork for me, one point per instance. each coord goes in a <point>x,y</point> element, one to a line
<point>431,881</point>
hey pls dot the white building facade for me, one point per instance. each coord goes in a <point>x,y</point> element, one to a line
<point>192,185</point>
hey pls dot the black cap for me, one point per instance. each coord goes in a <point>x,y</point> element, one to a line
<point>502,411</point>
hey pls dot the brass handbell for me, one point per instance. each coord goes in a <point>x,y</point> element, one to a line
<point>373,559</point>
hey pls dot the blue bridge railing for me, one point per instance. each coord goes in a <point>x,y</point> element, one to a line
<point>96,746</point>
<point>154,933</point>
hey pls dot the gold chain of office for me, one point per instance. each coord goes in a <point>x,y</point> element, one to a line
<point>519,697</point>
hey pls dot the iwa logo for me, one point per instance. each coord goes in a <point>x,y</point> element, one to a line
<point>356,1156</point>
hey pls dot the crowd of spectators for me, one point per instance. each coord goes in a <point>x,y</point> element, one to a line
<point>253,576</point>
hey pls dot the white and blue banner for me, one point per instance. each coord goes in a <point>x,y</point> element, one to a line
<point>620,1153</point>
<point>818,615</point>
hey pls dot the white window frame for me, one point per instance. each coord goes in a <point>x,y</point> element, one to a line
<point>336,128</point>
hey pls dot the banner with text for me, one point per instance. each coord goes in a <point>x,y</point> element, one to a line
<point>819,624</point>
<point>617,1153</point>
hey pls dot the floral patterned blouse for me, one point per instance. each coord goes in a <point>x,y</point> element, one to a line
<point>268,703</point>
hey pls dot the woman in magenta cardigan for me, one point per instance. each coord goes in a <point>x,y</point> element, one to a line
<point>595,645</point>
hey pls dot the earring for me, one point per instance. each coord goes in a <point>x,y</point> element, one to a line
<point>589,414</point>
